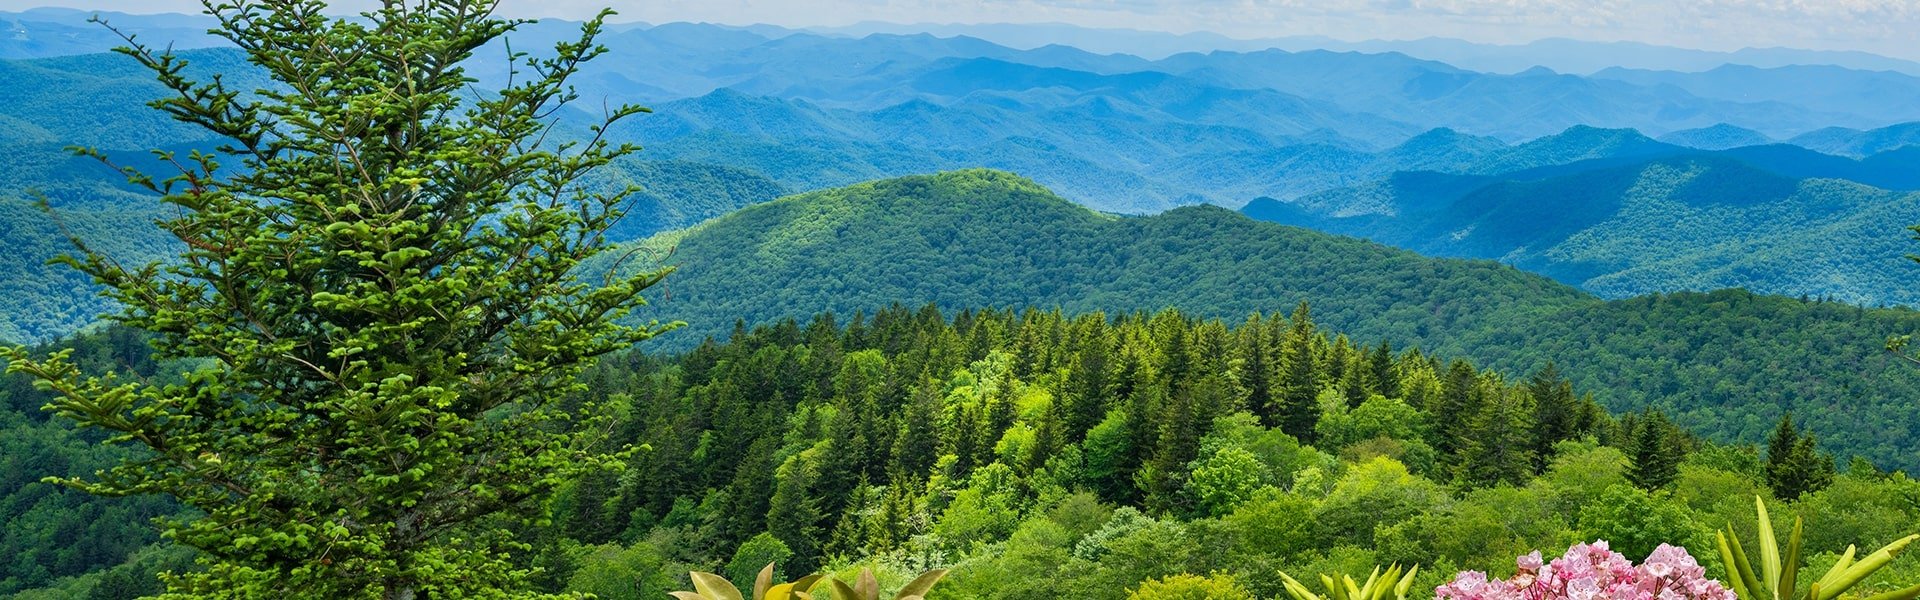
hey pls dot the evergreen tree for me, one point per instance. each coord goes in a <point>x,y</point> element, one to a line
<point>379,277</point>
<point>1656,452</point>
<point>1459,401</point>
<point>1254,370</point>
<point>1088,381</point>
<point>1299,408</point>
<point>1556,413</point>
<point>917,447</point>
<point>1356,384</point>
<point>1780,451</point>
<point>1498,448</point>
<point>1177,445</point>
<point>1795,464</point>
<point>749,495</point>
<point>1386,378</point>
<point>794,515</point>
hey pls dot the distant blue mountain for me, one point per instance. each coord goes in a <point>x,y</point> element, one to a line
<point>1774,219</point>
<point>1717,137</point>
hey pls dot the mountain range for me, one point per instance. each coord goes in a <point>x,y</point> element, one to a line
<point>1724,363</point>
<point>1649,217</point>
<point>1382,145</point>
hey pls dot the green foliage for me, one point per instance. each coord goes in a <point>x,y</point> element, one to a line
<point>762,549</point>
<point>1191,587</point>
<point>1395,583</point>
<point>1635,522</point>
<point>1224,480</point>
<point>708,586</point>
<point>610,572</point>
<point>1377,492</point>
<point>1795,465</point>
<point>1656,452</point>
<point>1775,574</point>
<point>1721,364</point>
<point>386,351</point>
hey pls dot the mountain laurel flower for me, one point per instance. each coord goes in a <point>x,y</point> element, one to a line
<point>1593,572</point>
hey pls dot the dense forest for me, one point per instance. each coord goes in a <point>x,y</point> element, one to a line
<point>1041,454</point>
<point>1726,364</point>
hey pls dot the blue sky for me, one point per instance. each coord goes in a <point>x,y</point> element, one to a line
<point>1890,27</point>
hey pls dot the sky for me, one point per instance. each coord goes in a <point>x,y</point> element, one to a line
<point>1888,27</point>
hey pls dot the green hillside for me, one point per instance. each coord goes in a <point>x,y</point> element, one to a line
<point>1693,222</point>
<point>986,238</point>
<point>1727,363</point>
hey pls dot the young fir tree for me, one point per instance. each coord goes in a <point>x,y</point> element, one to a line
<point>1299,398</point>
<point>1556,413</point>
<point>1386,377</point>
<point>1460,399</point>
<point>1656,452</point>
<point>383,299</point>
<point>1498,447</point>
<point>1795,465</point>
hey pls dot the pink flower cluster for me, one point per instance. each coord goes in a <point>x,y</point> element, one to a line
<point>1593,572</point>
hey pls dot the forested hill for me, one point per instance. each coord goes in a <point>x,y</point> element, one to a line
<point>987,238</point>
<point>1726,363</point>
<point>1771,219</point>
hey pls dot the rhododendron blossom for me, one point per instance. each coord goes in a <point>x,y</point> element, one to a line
<point>1593,572</point>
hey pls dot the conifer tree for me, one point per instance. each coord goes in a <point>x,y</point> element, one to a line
<point>1460,399</point>
<point>1556,413</point>
<point>1795,464</point>
<point>1356,384</point>
<point>1254,371</point>
<point>379,275</point>
<point>1178,443</point>
<point>794,513</point>
<point>1656,452</point>
<point>1089,385</point>
<point>1299,398</point>
<point>1386,378</point>
<point>1497,449</point>
<point>916,448</point>
<point>1780,449</point>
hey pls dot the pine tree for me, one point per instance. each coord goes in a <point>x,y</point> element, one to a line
<point>1178,443</point>
<point>1088,382</point>
<point>1356,384</point>
<point>1780,451</point>
<point>1460,399</point>
<point>1656,453</point>
<point>1556,413</point>
<point>1795,465</point>
<point>1386,378</point>
<point>380,275</point>
<point>1299,409</point>
<point>1497,450</point>
<point>794,514</point>
<point>917,446</point>
<point>1254,371</point>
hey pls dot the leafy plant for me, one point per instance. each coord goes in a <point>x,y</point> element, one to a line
<point>1778,576</point>
<point>866,587</point>
<point>1377,586</point>
<point>708,586</point>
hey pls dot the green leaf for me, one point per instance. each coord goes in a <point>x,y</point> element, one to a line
<point>921,585</point>
<point>715,587</point>
<point>1769,552</point>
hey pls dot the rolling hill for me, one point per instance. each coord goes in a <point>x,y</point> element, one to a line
<point>1726,363</point>
<point>1690,222</point>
